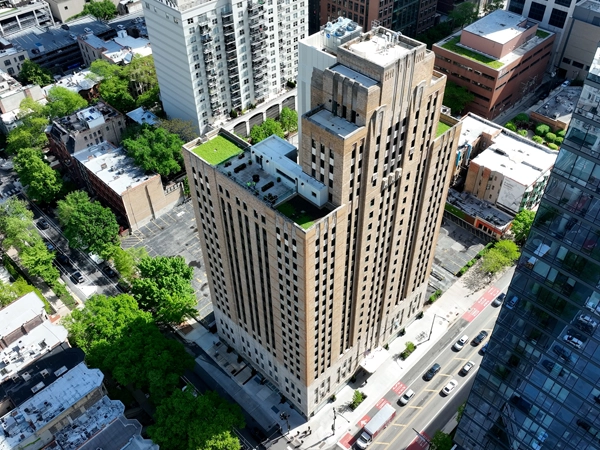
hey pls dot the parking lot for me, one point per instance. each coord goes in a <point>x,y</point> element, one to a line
<point>175,234</point>
<point>455,248</point>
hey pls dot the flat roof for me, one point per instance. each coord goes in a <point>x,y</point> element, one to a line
<point>47,403</point>
<point>54,38</point>
<point>112,165</point>
<point>141,116</point>
<point>335,124</point>
<point>378,50</point>
<point>476,207</point>
<point>560,104</point>
<point>20,312</point>
<point>592,5</point>
<point>500,26</point>
<point>351,73</point>
<point>79,81</point>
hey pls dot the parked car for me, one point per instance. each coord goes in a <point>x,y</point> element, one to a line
<point>77,278</point>
<point>432,372</point>
<point>405,398</point>
<point>63,259</point>
<point>483,349</point>
<point>50,246</point>
<point>510,304</point>
<point>467,367</point>
<point>573,341</point>
<point>585,319</point>
<point>498,300</point>
<point>43,224</point>
<point>447,390</point>
<point>461,343</point>
<point>562,353</point>
<point>109,272</point>
<point>566,83</point>
<point>479,338</point>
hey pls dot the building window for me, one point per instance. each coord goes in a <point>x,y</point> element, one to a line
<point>536,11</point>
<point>557,18</point>
<point>566,3</point>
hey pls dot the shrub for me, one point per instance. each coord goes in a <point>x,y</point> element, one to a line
<point>553,146</point>
<point>233,114</point>
<point>550,137</point>
<point>522,117</point>
<point>561,133</point>
<point>538,139</point>
<point>510,126</point>
<point>357,398</point>
<point>522,132</point>
<point>542,129</point>
<point>559,140</point>
<point>410,347</point>
<point>291,84</point>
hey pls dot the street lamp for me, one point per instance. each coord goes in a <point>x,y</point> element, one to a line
<point>423,438</point>
<point>333,426</point>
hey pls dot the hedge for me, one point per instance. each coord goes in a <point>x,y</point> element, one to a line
<point>538,139</point>
<point>542,129</point>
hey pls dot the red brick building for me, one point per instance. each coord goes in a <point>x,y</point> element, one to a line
<point>500,58</point>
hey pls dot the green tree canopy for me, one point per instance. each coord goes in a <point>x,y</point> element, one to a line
<point>267,128</point>
<point>182,128</point>
<point>185,422</point>
<point>493,5</point>
<point>32,73</point>
<point>63,102</point>
<point>457,97</point>
<point>464,14</point>
<point>521,225</point>
<point>501,255</point>
<point>289,119</point>
<point>164,288</point>
<point>31,134</point>
<point>43,184</point>
<point>104,9</point>
<point>441,441</point>
<point>124,341</point>
<point>87,224</point>
<point>126,261</point>
<point>156,150</point>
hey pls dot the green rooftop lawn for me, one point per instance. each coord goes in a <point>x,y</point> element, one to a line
<point>302,211</point>
<point>453,47</point>
<point>217,150</point>
<point>542,34</point>
<point>442,128</point>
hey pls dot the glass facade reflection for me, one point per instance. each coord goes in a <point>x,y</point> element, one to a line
<point>539,384</point>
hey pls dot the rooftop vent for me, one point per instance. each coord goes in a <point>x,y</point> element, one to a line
<point>26,376</point>
<point>38,387</point>
<point>45,373</point>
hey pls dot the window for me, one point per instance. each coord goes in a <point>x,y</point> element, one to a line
<point>536,11</point>
<point>190,21</point>
<point>557,18</point>
<point>566,3</point>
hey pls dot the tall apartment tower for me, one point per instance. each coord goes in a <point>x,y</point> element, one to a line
<point>539,383</point>
<point>317,258</point>
<point>214,57</point>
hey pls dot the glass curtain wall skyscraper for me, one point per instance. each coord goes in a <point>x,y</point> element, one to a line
<point>539,384</point>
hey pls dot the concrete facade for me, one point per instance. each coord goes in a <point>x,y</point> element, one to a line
<point>214,57</point>
<point>65,9</point>
<point>498,59</point>
<point>11,57</point>
<point>312,278</point>
<point>25,14</point>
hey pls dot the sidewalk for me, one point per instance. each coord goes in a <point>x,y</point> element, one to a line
<point>262,401</point>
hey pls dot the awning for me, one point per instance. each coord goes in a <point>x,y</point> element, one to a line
<point>373,359</point>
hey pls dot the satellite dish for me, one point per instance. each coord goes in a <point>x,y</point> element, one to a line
<point>327,35</point>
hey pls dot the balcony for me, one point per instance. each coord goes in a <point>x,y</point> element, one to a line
<point>210,65</point>
<point>258,77</point>
<point>228,29</point>
<point>258,22</point>
<point>204,28</point>
<point>206,39</point>
<point>234,80</point>
<point>233,71</point>
<point>230,38</point>
<point>208,54</point>
<point>258,37</point>
<point>255,47</point>
<point>227,17</point>
<point>260,61</point>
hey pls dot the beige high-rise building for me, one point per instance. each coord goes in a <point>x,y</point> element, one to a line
<point>319,257</point>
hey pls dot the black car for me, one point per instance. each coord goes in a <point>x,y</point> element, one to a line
<point>431,372</point>
<point>77,278</point>
<point>498,300</point>
<point>479,338</point>
<point>63,259</point>
<point>562,353</point>
<point>109,272</point>
<point>43,224</point>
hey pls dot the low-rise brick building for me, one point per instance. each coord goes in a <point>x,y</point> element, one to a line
<point>500,58</point>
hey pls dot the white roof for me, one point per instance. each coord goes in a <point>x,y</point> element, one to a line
<point>511,155</point>
<point>378,51</point>
<point>141,116</point>
<point>139,46</point>
<point>19,312</point>
<point>112,166</point>
<point>47,403</point>
<point>335,124</point>
<point>500,26</point>
<point>351,73</point>
<point>79,81</point>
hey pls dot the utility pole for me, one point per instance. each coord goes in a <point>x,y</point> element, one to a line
<point>423,438</point>
<point>333,426</point>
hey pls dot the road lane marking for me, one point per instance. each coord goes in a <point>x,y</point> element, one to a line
<point>398,425</point>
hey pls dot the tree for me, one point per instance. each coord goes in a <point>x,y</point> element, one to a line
<point>63,102</point>
<point>32,73</point>
<point>104,10</point>
<point>289,119</point>
<point>257,134</point>
<point>164,288</point>
<point>271,127</point>
<point>43,184</point>
<point>187,422</point>
<point>503,254</point>
<point>156,150</point>
<point>460,411</point>
<point>464,14</point>
<point>87,224</point>
<point>38,261</point>
<point>457,97</point>
<point>126,261</point>
<point>441,441</point>
<point>31,134</point>
<point>435,34</point>
<point>493,5</point>
<point>182,128</point>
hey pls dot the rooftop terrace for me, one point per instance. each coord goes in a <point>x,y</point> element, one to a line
<point>332,123</point>
<point>87,118</point>
<point>382,46</point>
<point>217,150</point>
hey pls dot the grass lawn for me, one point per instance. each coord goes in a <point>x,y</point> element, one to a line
<point>302,211</point>
<point>217,150</point>
<point>453,47</point>
<point>302,219</point>
<point>454,210</point>
<point>542,34</point>
<point>441,129</point>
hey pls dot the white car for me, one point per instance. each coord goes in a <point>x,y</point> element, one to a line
<point>572,341</point>
<point>587,320</point>
<point>406,397</point>
<point>450,387</point>
<point>467,367</point>
<point>461,343</point>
